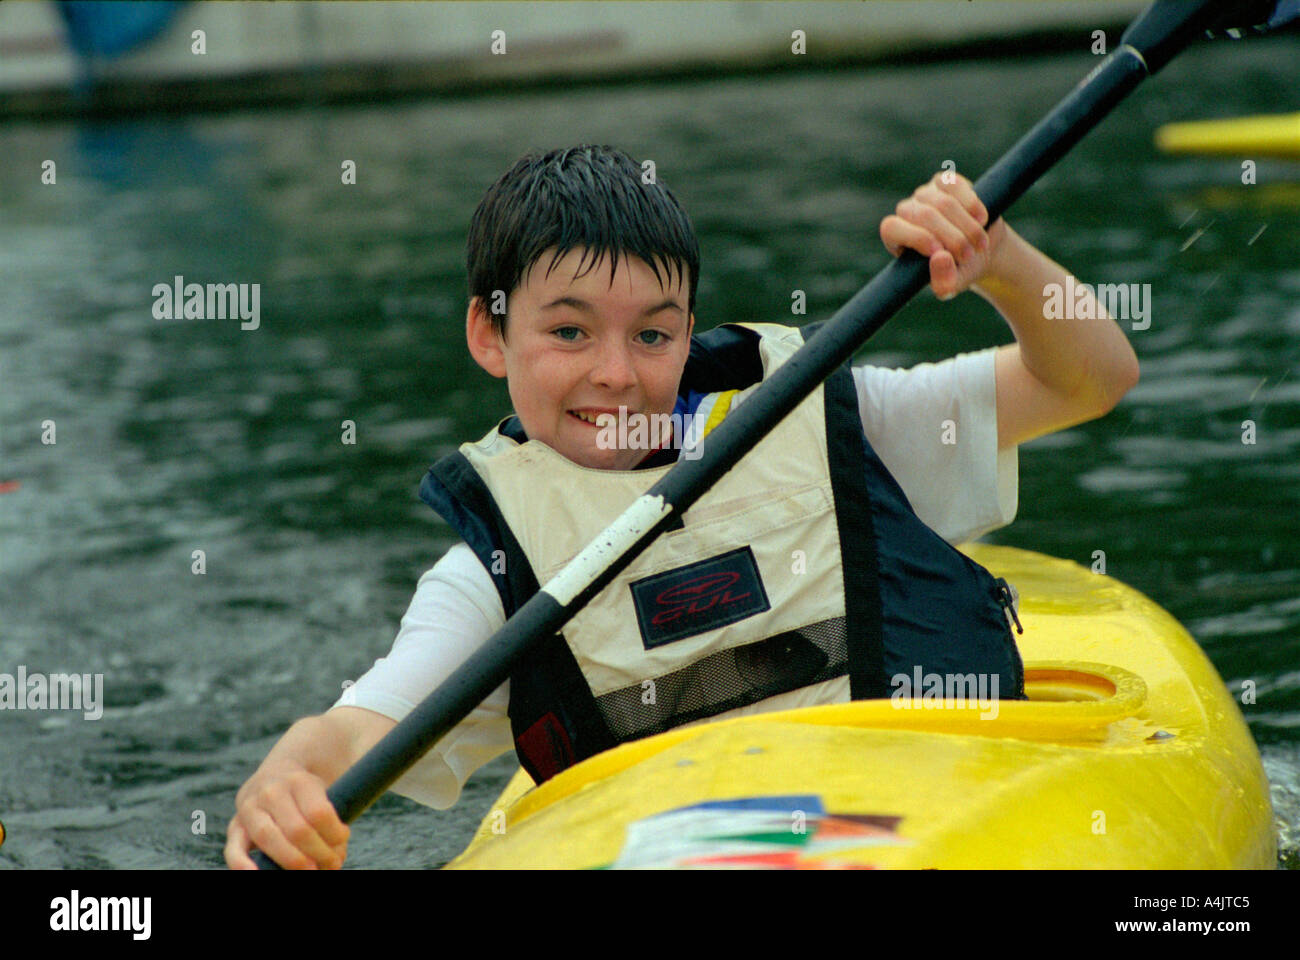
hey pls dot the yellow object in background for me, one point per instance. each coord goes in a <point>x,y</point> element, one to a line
<point>1262,136</point>
<point>1131,753</point>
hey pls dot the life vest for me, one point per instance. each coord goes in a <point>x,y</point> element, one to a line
<point>803,566</point>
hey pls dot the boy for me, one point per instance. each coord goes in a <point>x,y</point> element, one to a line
<point>597,329</point>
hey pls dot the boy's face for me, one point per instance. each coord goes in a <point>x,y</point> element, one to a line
<point>577,347</point>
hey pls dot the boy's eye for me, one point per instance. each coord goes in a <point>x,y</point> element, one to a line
<point>652,338</point>
<point>569,334</point>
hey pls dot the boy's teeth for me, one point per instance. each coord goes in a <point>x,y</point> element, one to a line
<point>592,418</point>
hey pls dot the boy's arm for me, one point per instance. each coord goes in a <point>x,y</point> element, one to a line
<point>283,810</point>
<point>1059,372</point>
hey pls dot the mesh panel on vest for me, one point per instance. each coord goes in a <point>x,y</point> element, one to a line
<point>729,679</point>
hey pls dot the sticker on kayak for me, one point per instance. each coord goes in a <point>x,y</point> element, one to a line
<point>775,833</point>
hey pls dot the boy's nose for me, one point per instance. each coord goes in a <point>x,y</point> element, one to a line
<point>613,369</point>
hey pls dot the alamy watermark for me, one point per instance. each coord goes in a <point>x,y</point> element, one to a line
<point>213,301</point>
<point>1078,301</point>
<point>54,691</point>
<point>937,691</point>
<point>75,913</point>
<point>654,431</point>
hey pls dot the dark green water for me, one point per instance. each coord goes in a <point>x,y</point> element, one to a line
<point>175,435</point>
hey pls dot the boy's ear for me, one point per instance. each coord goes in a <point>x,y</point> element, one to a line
<point>484,342</point>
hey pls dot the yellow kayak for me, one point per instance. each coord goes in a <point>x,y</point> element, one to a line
<point>1264,136</point>
<point>1130,753</point>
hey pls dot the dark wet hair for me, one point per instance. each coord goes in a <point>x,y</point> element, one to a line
<point>584,196</point>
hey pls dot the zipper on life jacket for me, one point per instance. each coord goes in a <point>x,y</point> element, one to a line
<point>1007,598</point>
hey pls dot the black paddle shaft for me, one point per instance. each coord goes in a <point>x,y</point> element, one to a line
<point>1163,29</point>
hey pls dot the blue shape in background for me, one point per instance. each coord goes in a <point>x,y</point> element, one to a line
<point>112,28</point>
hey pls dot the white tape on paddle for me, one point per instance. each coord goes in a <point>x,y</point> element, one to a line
<point>631,525</point>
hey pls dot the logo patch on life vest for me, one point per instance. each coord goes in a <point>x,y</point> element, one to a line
<point>699,597</point>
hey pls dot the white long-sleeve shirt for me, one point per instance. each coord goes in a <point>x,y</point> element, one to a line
<point>960,489</point>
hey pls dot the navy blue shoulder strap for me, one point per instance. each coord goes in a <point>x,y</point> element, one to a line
<point>846,449</point>
<point>453,488</point>
<point>724,358</point>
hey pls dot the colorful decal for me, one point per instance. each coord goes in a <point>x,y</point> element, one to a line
<point>773,833</point>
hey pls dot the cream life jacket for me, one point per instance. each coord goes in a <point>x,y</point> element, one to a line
<point>803,566</point>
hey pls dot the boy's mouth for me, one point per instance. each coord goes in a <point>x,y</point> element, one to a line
<point>591,416</point>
